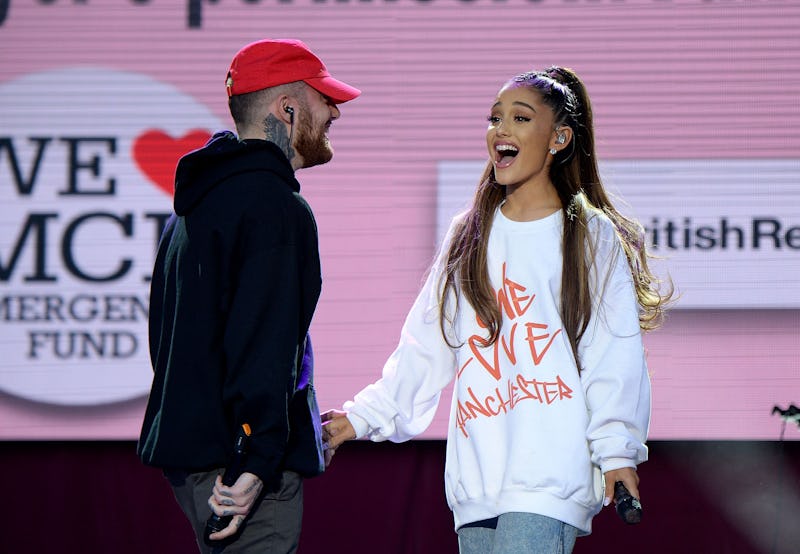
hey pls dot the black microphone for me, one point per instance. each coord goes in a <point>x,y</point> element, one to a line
<point>629,508</point>
<point>217,523</point>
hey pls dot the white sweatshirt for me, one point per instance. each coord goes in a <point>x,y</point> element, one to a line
<point>526,433</point>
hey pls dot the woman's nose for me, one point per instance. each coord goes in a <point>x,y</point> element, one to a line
<point>500,129</point>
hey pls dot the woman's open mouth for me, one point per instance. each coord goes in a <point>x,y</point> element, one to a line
<point>504,155</point>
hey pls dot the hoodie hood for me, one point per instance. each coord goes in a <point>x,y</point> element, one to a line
<point>223,156</point>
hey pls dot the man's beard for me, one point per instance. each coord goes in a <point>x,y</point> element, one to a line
<point>312,145</point>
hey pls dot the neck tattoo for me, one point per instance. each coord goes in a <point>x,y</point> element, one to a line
<point>275,132</point>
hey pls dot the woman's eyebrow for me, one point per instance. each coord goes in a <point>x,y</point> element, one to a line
<point>517,103</point>
<point>531,108</point>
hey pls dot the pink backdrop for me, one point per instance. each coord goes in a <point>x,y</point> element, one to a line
<point>687,80</point>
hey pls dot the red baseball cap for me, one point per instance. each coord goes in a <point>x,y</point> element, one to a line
<point>268,63</point>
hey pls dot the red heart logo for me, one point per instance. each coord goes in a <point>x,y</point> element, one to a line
<point>156,153</point>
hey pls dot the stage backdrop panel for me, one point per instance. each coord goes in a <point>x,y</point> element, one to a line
<point>698,131</point>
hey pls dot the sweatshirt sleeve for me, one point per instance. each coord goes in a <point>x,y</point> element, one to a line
<point>402,403</point>
<point>261,339</point>
<point>615,376</point>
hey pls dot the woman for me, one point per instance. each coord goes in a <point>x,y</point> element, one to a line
<point>535,306</point>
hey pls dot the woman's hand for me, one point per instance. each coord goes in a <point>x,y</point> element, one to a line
<point>629,478</point>
<point>336,429</point>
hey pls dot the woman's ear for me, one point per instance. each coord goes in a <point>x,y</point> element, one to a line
<point>561,138</point>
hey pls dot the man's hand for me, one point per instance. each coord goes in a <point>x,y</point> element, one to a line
<point>234,501</point>
<point>629,478</point>
<point>335,430</point>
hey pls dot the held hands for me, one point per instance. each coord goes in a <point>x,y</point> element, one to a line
<point>234,501</point>
<point>335,430</point>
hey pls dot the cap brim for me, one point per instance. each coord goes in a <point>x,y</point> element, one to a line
<point>334,89</point>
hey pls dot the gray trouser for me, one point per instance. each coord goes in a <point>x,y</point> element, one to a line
<point>272,526</point>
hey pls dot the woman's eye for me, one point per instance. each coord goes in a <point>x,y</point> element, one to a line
<point>493,119</point>
<point>521,118</point>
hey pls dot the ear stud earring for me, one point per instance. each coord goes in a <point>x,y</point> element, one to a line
<point>553,151</point>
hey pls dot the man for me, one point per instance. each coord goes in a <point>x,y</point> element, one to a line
<point>235,285</point>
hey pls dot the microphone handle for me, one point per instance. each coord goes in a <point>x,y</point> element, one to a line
<point>629,508</point>
<point>216,523</point>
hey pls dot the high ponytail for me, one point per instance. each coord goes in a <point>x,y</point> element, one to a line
<point>577,180</point>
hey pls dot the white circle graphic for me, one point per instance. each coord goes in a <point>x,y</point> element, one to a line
<point>87,157</point>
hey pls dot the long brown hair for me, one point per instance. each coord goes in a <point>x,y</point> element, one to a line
<point>575,175</point>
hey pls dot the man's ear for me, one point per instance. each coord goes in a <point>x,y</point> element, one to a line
<point>562,136</point>
<point>285,109</point>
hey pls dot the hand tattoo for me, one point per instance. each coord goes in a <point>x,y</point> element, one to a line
<point>255,485</point>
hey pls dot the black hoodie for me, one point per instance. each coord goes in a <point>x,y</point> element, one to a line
<point>235,285</point>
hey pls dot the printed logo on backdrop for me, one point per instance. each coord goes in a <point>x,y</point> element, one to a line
<point>85,190</point>
<point>728,231</point>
